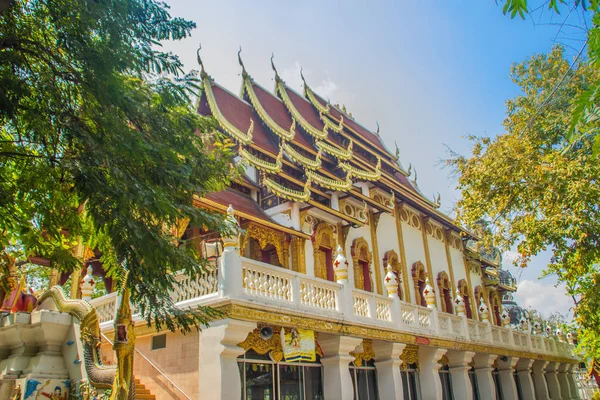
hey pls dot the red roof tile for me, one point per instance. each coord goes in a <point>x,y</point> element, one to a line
<point>238,112</point>
<point>307,110</point>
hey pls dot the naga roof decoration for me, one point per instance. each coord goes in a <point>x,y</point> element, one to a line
<point>259,163</point>
<point>287,193</point>
<point>330,125</point>
<point>301,159</point>
<point>282,90</point>
<point>330,183</point>
<point>361,173</point>
<point>248,88</point>
<point>244,137</point>
<point>342,154</point>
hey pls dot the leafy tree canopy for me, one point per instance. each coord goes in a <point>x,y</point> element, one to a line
<point>99,142</point>
<point>536,190</point>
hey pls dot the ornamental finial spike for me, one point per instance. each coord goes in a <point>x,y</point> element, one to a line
<point>302,76</point>
<point>484,313</point>
<point>377,132</point>
<point>199,58</point>
<point>240,61</point>
<point>340,266</point>
<point>230,211</point>
<point>273,66</point>
<point>397,149</point>
<point>409,172</point>
<point>391,282</point>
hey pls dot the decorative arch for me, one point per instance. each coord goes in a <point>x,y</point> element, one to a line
<point>463,288</point>
<point>390,257</point>
<point>495,307</point>
<point>419,274</point>
<point>264,242</point>
<point>361,259</point>
<point>324,246</point>
<point>445,287</point>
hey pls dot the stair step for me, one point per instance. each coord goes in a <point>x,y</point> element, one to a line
<point>145,396</point>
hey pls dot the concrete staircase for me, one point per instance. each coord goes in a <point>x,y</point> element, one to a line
<point>141,392</point>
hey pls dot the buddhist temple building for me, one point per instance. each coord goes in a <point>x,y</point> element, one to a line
<point>345,281</point>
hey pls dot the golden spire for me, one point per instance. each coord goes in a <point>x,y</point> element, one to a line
<point>244,73</point>
<point>202,71</point>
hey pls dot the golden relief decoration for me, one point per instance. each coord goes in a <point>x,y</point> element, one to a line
<point>331,125</point>
<point>444,360</point>
<point>365,353</point>
<point>419,274</point>
<point>298,255</point>
<point>232,130</point>
<point>259,163</point>
<point>330,183</point>
<point>360,253</point>
<point>324,244</point>
<point>264,237</point>
<point>410,355</point>
<point>302,159</point>
<point>287,193</point>
<point>361,173</point>
<point>271,346</point>
<point>341,154</point>
<point>247,87</point>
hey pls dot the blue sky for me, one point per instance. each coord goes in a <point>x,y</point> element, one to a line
<point>430,73</point>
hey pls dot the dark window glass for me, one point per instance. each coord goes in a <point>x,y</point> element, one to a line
<point>497,385</point>
<point>313,383</point>
<point>446,381</point>
<point>410,382</point>
<point>259,381</point>
<point>518,385</point>
<point>474,385</point>
<point>159,342</point>
<point>291,382</point>
<point>364,381</point>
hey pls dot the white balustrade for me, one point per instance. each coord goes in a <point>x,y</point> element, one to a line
<point>321,295</point>
<point>106,307</point>
<point>271,283</point>
<point>383,310</point>
<point>361,304</point>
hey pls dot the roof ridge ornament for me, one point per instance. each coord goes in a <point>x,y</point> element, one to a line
<point>277,77</point>
<point>397,150</point>
<point>244,73</point>
<point>199,59</point>
<point>377,132</point>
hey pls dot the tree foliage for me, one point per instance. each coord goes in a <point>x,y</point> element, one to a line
<point>100,142</point>
<point>538,191</point>
<point>585,116</point>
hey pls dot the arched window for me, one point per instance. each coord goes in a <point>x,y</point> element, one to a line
<point>419,275</point>
<point>445,292</point>
<point>495,307</point>
<point>323,248</point>
<point>391,258</point>
<point>264,244</point>
<point>463,288</point>
<point>361,259</point>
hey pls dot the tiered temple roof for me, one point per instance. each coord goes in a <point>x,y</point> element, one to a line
<point>306,149</point>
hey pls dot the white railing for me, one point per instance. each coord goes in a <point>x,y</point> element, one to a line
<point>361,303</point>
<point>106,307</point>
<point>318,294</point>
<point>272,286</point>
<point>269,283</point>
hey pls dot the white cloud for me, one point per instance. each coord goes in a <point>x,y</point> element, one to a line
<point>326,88</point>
<point>509,257</point>
<point>544,297</point>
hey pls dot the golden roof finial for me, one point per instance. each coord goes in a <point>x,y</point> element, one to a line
<point>397,149</point>
<point>302,76</point>
<point>199,58</point>
<point>409,172</point>
<point>273,66</point>
<point>377,131</point>
<point>241,62</point>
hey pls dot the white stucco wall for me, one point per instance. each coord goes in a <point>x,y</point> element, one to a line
<point>439,263</point>
<point>413,247</point>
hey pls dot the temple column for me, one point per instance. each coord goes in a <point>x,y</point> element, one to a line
<point>552,380</point>
<point>507,379</point>
<point>483,371</point>
<point>539,380</point>
<point>337,382</point>
<point>525,379</point>
<point>459,372</point>
<point>571,376</point>
<point>565,389</point>
<point>387,362</point>
<point>218,372</point>
<point>431,386</point>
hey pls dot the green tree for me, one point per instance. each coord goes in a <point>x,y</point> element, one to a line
<point>536,190</point>
<point>583,18</point>
<point>100,142</point>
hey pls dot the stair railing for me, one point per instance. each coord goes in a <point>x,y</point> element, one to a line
<point>155,367</point>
